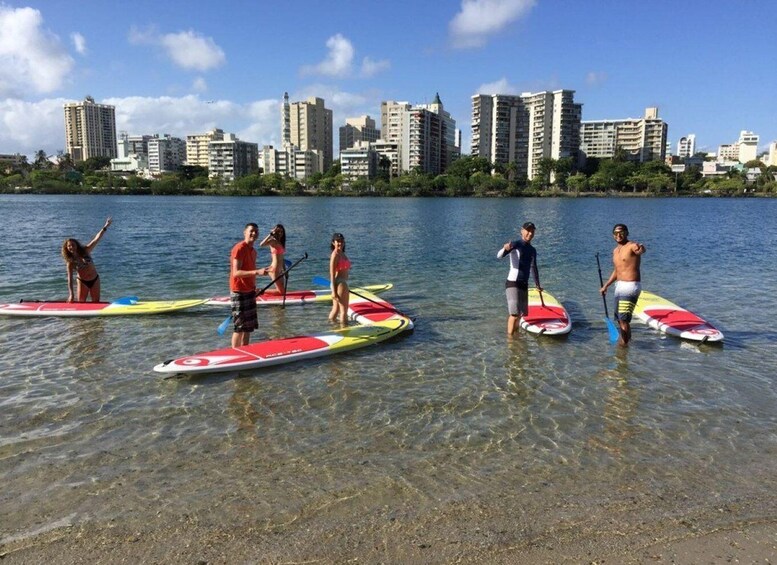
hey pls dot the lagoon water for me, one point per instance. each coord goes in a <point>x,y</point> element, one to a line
<point>451,414</point>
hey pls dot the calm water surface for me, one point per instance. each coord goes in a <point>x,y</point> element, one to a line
<point>453,411</point>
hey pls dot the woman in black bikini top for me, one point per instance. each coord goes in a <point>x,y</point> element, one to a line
<point>78,260</point>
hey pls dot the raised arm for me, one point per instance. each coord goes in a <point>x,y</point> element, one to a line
<point>100,234</point>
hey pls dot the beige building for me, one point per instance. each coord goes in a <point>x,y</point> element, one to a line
<point>745,149</point>
<point>197,152</point>
<point>308,126</point>
<point>90,130</point>
<point>360,161</point>
<point>641,139</point>
<point>357,130</point>
<point>524,129</point>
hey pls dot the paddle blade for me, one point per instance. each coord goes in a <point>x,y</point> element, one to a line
<point>224,325</point>
<point>126,300</point>
<point>321,281</point>
<point>612,330</point>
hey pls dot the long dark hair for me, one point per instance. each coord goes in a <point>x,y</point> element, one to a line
<point>279,234</point>
<point>337,237</point>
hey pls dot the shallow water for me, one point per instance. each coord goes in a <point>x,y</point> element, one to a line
<point>452,411</point>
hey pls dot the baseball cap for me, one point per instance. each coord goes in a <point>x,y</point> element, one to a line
<point>528,226</point>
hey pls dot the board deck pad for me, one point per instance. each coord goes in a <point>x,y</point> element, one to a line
<point>548,319</point>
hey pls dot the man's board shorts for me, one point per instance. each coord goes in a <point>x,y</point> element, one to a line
<point>626,295</point>
<point>517,298</point>
<point>244,311</point>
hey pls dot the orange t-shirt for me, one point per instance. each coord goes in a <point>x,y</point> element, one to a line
<point>246,254</point>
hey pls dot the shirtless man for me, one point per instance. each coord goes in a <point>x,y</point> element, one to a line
<point>626,260</point>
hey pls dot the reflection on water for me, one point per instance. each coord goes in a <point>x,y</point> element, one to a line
<point>452,411</point>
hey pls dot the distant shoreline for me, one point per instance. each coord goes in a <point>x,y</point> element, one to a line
<point>318,194</point>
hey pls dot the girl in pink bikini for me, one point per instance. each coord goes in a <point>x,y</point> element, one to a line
<point>339,267</point>
<point>276,241</point>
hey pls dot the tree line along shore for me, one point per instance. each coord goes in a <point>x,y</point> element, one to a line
<point>467,176</point>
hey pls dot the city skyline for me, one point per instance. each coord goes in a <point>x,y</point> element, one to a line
<point>180,68</point>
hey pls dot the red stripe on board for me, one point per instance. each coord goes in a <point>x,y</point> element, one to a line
<point>679,319</point>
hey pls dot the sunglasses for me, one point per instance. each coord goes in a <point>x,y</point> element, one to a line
<point>620,232</point>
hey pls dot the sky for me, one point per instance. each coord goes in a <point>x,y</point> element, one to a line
<point>184,67</point>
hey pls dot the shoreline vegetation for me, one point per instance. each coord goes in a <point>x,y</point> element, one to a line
<point>467,176</point>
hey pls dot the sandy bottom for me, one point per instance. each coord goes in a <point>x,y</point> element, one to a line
<point>630,525</point>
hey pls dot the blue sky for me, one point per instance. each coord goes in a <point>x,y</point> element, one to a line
<point>183,67</point>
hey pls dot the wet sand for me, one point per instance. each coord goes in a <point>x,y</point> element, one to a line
<point>542,524</point>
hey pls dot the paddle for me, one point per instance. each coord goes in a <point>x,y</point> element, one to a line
<point>287,265</point>
<point>611,328</point>
<point>225,324</point>
<point>325,282</point>
<point>126,300</point>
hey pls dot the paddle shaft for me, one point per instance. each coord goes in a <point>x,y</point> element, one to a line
<point>601,284</point>
<point>325,282</point>
<point>225,324</point>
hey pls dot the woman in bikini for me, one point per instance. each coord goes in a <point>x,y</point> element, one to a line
<point>276,241</point>
<point>339,267</point>
<point>78,259</point>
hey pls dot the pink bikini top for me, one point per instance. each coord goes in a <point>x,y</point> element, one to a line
<point>280,250</point>
<point>343,264</point>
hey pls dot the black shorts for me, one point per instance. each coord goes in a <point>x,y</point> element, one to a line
<point>244,311</point>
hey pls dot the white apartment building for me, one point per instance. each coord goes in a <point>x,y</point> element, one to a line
<point>357,130</point>
<point>642,139</point>
<point>197,152</point>
<point>166,154</point>
<point>524,129</point>
<point>90,130</point>
<point>417,137</point>
<point>230,158</point>
<point>744,150</point>
<point>389,150</point>
<point>292,162</point>
<point>360,161</point>
<point>686,147</point>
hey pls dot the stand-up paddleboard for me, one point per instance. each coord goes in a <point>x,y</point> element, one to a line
<point>273,297</point>
<point>86,309</point>
<point>667,317</point>
<point>378,321</point>
<point>548,319</point>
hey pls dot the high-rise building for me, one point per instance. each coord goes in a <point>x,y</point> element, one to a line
<point>166,153</point>
<point>197,152</point>
<point>308,126</point>
<point>90,130</point>
<point>392,117</point>
<point>230,158</point>
<point>525,129</point>
<point>640,139</point>
<point>357,130</point>
<point>686,147</point>
<point>771,155</point>
<point>359,161</point>
<point>744,150</point>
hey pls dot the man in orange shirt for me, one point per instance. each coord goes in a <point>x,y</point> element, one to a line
<point>242,285</point>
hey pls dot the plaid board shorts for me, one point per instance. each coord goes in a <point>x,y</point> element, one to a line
<point>244,311</point>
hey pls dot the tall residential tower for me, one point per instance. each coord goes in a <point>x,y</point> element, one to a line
<point>90,130</point>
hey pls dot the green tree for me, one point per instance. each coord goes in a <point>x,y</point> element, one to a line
<point>577,183</point>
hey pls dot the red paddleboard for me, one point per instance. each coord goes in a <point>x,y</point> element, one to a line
<point>667,317</point>
<point>273,297</point>
<point>546,316</point>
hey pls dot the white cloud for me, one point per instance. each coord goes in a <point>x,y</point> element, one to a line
<point>186,49</point>
<point>26,127</point>
<point>479,19</point>
<point>338,61</point>
<point>31,58</point>
<point>79,43</point>
<point>199,85</point>
<point>501,86</point>
<point>371,68</point>
<point>595,78</point>
<point>190,50</point>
